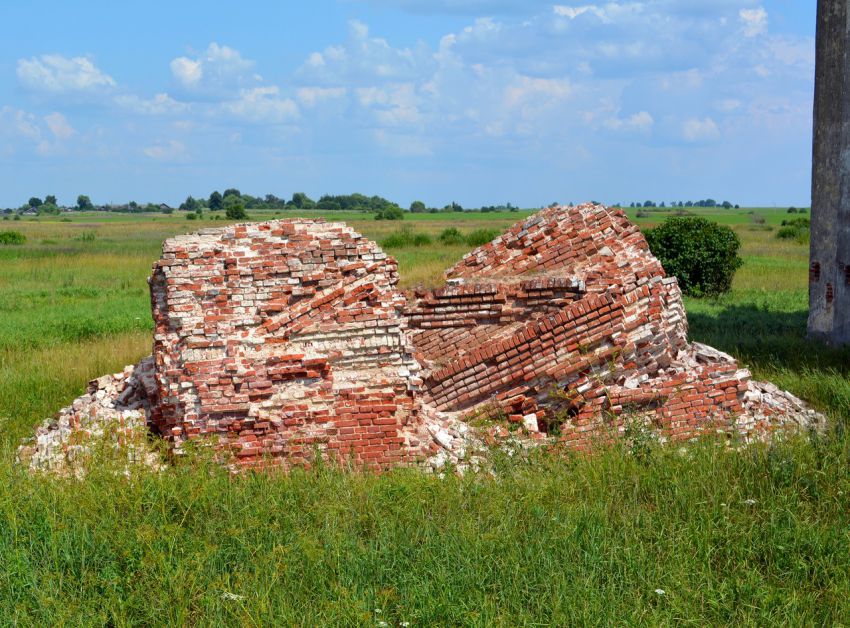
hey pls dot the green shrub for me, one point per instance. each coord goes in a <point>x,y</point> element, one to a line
<point>191,216</point>
<point>12,237</point>
<point>234,207</point>
<point>795,229</point>
<point>405,237</point>
<point>421,239</point>
<point>479,237</point>
<point>700,253</point>
<point>390,212</point>
<point>88,236</point>
<point>452,237</point>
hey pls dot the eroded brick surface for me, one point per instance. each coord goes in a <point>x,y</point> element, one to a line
<point>285,338</point>
<point>567,324</point>
<point>281,338</point>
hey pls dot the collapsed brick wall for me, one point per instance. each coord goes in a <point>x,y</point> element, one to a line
<point>603,341</point>
<point>281,338</point>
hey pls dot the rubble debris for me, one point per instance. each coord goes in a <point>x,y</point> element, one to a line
<point>287,339</point>
<point>113,413</point>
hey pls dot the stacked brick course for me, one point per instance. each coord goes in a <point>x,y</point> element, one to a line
<point>605,341</point>
<point>287,337</point>
<point>281,338</point>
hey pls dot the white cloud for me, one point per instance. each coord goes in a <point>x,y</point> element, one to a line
<point>24,131</point>
<point>166,151</point>
<point>755,21</point>
<point>640,121</point>
<point>59,126</point>
<point>700,130</point>
<point>19,124</point>
<point>572,13</point>
<point>160,104</point>
<point>187,72</point>
<point>262,105</point>
<point>217,69</point>
<point>56,74</point>
<point>363,59</point>
<point>312,96</point>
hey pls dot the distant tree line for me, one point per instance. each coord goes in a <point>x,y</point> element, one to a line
<point>709,202</point>
<point>235,204</point>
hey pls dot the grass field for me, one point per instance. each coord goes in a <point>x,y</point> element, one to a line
<point>760,536</point>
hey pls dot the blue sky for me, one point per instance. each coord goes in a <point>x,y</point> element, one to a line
<point>474,101</point>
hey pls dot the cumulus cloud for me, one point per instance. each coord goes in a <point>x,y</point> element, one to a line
<point>17,124</point>
<point>754,20</point>
<point>57,74</point>
<point>640,121</point>
<point>160,104</point>
<point>262,105</point>
<point>363,58</point>
<point>572,13</point>
<point>312,96</point>
<point>215,70</point>
<point>700,130</point>
<point>59,126</point>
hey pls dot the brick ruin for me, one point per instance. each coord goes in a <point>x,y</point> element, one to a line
<point>278,340</point>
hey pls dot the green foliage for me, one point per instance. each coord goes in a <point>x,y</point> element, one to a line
<point>234,207</point>
<point>191,216</point>
<point>48,209</point>
<point>700,253</point>
<point>84,203</point>
<point>12,237</point>
<point>797,229</point>
<point>418,207</point>
<point>391,212</point>
<point>751,537</point>
<point>35,202</point>
<point>405,237</point>
<point>190,204</point>
<point>452,237</point>
<point>480,237</point>
<point>301,201</point>
<point>215,201</point>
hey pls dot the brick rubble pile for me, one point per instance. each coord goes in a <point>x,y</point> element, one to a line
<point>112,414</point>
<point>278,340</point>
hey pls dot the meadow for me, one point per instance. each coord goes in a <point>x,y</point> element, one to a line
<point>708,535</point>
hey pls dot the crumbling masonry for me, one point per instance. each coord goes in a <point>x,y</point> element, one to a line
<point>278,340</point>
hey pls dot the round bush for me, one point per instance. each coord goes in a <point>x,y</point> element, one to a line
<point>390,212</point>
<point>452,237</point>
<point>700,253</point>
<point>12,237</point>
<point>480,237</point>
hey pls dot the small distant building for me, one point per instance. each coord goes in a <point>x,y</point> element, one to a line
<point>163,207</point>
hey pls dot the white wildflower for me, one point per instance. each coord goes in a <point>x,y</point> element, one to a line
<point>660,592</point>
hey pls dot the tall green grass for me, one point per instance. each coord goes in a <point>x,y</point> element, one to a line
<point>713,536</point>
<point>753,536</point>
